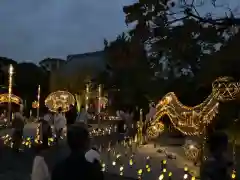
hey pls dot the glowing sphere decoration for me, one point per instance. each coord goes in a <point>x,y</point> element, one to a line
<point>103,102</point>
<point>35,104</point>
<point>14,99</point>
<point>59,99</point>
<point>154,130</point>
<point>191,150</point>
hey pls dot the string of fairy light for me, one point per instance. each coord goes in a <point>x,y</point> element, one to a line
<point>194,120</point>
<point>189,120</point>
<point>58,99</point>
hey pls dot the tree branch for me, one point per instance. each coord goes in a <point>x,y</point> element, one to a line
<point>227,21</point>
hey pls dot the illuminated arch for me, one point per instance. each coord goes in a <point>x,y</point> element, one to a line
<point>14,99</point>
<point>58,99</point>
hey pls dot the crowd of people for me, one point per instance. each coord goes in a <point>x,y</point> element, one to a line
<point>82,163</point>
<point>84,160</point>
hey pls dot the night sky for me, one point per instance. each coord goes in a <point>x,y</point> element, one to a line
<point>31,30</point>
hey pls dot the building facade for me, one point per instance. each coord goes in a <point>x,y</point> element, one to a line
<point>52,64</point>
<point>78,69</point>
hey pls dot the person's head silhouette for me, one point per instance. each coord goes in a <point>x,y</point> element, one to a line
<point>59,110</point>
<point>78,138</point>
<point>218,143</point>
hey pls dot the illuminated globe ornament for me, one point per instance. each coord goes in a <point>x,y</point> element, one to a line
<point>59,99</point>
<point>35,104</point>
<point>225,89</point>
<point>191,150</point>
<point>103,102</point>
<point>155,130</point>
<point>14,99</point>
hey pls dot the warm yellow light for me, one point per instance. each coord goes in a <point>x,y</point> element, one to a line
<point>121,168</point>
<point>58,99</point>
<point>234,175</point>
<point>188,119</point>
<point>161,177</point>
<point>10,70</point>
<point>14,99</point>
<point>140,171</point>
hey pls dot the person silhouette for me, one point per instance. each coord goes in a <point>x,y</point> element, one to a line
<point>217,166</point>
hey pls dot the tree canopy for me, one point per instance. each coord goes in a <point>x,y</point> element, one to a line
<point>174,45</point>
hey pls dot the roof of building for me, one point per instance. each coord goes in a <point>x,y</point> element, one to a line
<point>51,59</point>
<point>78,56</point>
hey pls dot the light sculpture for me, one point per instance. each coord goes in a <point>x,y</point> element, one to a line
<point>59,99</point>
<point>87,96</point>
<point>4,98</point>
<point>38,101</point>
<point>192,120</point>
<point>191,150</point>
<point>99,98</point>
<point>10,74</point>
<point>99,103</point>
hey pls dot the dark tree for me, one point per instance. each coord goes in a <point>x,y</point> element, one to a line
<point>27,78</point>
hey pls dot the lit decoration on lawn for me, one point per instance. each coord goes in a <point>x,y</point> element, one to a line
<point>35,105</point>
<point>191,150</point>
<point>191,120</point>
<point>118,156</point>
<point>58,99</point>
<point>154,131</point>
<point>14,99</point>
<point>87,97</point>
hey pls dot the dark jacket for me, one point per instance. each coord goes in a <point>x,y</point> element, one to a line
<point>216,169</point>
<point>18,122</point>
<point>76,167</point>
<point>71,116</point>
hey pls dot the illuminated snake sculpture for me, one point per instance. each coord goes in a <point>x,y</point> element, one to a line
<point>191,120</point>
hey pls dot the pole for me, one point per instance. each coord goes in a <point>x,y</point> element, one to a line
<point>204,140</point>
<point>38,101</point>
<point>99,103</point>
<point>141,128</point>
<point>87,97</point>
<point>10,73</point>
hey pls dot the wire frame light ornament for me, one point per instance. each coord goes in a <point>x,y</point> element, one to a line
<point>99,103</point>
<point>191,150</point>
<point>190,120</point>
<point>38,101</point>
<point>10,74</point>
<point>4,98</point>
<point>59,99</point>
<point>99,98</point>
<point>87,97</point>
